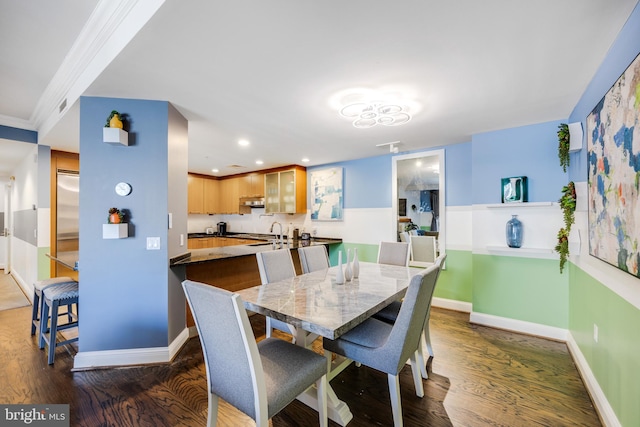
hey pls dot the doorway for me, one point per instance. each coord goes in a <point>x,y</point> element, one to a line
<point>418,194</point>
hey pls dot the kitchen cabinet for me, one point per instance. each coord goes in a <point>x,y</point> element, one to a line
<point>229,195</point>
<point>203,195</point>
<point>211,196</point>
<point>217,242</point>
<point>252,185</point>
<point>195,194</point>
<point>286,191</point>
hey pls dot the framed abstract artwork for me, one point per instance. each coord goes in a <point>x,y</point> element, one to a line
<point>326,195</point>
<point>613,140</point>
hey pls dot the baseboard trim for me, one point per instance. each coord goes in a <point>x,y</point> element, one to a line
<point>603,408</point>
<point>451,304</point>
<point>137,356</point>
<point>521,326</point>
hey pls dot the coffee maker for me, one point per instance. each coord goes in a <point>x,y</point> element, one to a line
<point>222,228</point>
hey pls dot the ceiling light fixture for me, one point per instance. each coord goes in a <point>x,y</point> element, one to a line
<point>369,114</point>
<point>243,143</point>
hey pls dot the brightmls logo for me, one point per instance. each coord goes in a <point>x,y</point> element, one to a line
<point>34,415</point>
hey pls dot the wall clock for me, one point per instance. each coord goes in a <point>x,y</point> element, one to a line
<point>123,189</point>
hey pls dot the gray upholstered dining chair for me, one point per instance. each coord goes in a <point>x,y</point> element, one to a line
<point>386,347</point>
<point>274,266</point>
<point>390,313</point>
<point>313,258</point>
<point>394,253</point>
<point>423,251</point>
<point>259,379</point>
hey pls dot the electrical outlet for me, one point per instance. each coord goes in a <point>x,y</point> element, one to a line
<point>595,332</point>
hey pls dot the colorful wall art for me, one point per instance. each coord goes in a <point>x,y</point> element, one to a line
<point>613,137</point>
<point>326,195</point>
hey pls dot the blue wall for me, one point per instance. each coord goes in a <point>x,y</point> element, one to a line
<point>120,275</point>
<point>621,54</point>
<point>530,151</point>
<point>458,174</point>
<point>15,134</point>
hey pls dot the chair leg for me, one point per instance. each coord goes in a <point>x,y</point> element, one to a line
<point>212,416</point>
<point>427,338</point>
<point>44,323</point>
<point>422,361</point>
<point>321,386</point>
<point>35,312</point>
<point>417,378</point>
<point>53,332</point>
<point>394,394</point>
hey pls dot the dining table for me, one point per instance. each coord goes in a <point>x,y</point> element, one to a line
<point>315,303</point>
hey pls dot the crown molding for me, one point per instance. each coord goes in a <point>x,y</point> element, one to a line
<point>15,122</point>
<point>108,30</point>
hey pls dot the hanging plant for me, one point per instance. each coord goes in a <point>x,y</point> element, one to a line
<point>562,247</point>
<point>563,146</point>
<point>568,206</point>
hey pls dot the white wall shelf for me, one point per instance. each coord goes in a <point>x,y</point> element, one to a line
<point>524,252</point>
<point>115,136</point>
<point>115,231</point>
<point>520,205</point>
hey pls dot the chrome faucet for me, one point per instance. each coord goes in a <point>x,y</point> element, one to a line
<point>281,238</point>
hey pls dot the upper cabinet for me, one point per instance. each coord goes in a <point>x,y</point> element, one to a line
<point>202,195</point>
<point>229,195</point>
<point>252,185</point>
<point>286,191</point>
<point>195,194</point>
<point>211,196</point>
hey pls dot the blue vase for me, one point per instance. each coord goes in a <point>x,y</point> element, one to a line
<point>514,232</point>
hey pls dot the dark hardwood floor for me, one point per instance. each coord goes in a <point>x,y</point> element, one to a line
<point>479,377</point>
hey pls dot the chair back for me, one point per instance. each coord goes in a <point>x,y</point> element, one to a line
<point>232,361</point>
<point>275,265</point>
<point>313,258</point>
<point>394,253</point>
<point>405,336</point>
<point>423,249</point>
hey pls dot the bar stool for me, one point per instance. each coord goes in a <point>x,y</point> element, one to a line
<point>38,287</point>
<point>52,298</point>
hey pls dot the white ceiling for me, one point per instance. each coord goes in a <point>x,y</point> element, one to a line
<point>269,71</point>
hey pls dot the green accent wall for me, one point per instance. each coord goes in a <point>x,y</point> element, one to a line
<point>455,281</point>
<point>615,358</point>
<point>44,263</point>
<point>527,289</point>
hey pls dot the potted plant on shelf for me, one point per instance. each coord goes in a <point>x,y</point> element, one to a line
<point>568,206</point>
<point>115,120</point>
<point>563,146</point>
<point>115,216</point>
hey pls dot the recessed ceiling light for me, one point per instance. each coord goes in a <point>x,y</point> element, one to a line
<point>215,170</point>
<point>305,160</point>
<point>259,162</point>
<point>243,143</point>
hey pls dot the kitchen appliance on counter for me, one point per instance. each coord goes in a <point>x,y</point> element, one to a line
<point>209,230</point>
<point>222,228</point>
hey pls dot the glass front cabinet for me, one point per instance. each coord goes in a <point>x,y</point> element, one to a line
<point>286,191</point>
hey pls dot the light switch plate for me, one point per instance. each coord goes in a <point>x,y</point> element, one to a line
<point>153,243</point>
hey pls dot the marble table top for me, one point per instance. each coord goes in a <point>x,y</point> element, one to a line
<point>315,303</point>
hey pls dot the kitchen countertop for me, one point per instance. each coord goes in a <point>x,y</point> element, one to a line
<point>225,252</point>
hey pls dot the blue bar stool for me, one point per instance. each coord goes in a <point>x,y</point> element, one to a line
<point>52,298</point>
<point>38,287</point>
